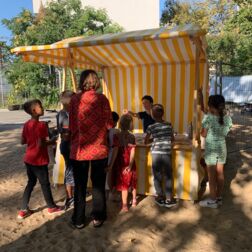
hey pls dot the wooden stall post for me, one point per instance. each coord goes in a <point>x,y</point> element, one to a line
<point>196,105</point>
<point>71,68</point>
<point>64,79</point>
<point>73,78</point>
<point>103,83</point>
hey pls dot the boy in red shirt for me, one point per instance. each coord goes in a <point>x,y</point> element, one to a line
<point>36,159</point>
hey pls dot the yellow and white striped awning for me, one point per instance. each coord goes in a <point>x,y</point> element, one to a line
<point>159,62</point>
<point>155,46</point>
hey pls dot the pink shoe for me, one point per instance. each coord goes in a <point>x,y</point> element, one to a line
<point>56,209</point>
<point>22,214</point>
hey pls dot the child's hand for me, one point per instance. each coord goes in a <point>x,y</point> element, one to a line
<point>125,111</point>
<point>200,91</point>
<point>127,170</point>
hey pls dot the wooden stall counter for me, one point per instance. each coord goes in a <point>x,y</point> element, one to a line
<point>185,165</point>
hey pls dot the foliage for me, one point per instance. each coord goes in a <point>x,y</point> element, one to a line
<point>228,25</point>
<point>169,12</point>
<point>60,20</point>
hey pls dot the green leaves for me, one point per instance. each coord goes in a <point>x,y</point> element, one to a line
<point>229,27</point>
<point>60,20</point>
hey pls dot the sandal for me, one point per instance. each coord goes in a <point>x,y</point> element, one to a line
<point>125,208</point>
<point>97,223</point>
<point>134,203</point>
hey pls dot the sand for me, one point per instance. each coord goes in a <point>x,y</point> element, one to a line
<point>148,227</point>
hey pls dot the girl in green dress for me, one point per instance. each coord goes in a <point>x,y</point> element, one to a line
<point>215,127</point>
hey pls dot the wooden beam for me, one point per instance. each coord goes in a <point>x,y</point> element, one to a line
<point>196,105</point>
<point>64,75</point>
<point>73,78</point>
<point>71,68</point>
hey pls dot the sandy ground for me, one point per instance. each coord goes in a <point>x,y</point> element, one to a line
<point>145,228</point>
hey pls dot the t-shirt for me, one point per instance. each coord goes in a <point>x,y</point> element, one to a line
<point>62,121</point>
<point>33,132</point>
<point>216,131</point>
<point>146,118</point>
<point>90,118</point>
<point>162,133</point>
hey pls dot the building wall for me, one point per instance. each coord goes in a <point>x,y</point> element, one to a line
<point>130,14</point>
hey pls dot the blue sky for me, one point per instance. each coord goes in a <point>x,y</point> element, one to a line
<point>10,8</point>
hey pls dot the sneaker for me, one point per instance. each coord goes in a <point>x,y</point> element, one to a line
<point>73,225</point>
<point>159,201</point>
<point>219,201</point>
<point>54,210</point>
<point>170,203</point>
<point>22,214</point>
<point>69,203</point>
<point>209,203</point>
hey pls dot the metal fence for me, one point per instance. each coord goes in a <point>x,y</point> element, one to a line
<point>237,91</point>
<point>4,89</point>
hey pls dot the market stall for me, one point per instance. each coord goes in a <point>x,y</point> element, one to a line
<point>168,64</point>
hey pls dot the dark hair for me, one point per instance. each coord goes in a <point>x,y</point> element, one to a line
<point>65,95</point>
<point>83,77</point>
<point>218,102</point>
<point>115,116</point>
<point>158,110</point>
<point>28,105</point>
<point>148,98</point>
<point>125,121</point>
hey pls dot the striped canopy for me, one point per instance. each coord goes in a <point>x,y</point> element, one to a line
<point>154,46</point>
<point>163,63</point>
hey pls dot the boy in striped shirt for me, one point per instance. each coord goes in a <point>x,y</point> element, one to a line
<point>162,134</point>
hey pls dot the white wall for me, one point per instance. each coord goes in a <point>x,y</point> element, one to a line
<point>130,14</point>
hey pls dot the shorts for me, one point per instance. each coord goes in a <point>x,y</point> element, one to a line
<point>65,152</point>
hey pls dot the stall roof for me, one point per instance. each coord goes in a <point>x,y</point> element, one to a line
<point>155,46</point>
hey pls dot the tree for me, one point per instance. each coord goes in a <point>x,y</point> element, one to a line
<point>169,12</point>
<point>228,25</point>
<point>60,20</point>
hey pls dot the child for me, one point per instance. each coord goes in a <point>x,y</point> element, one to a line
<point>215,127</point>
<point>63,129</point>
<point>162,133</point>
<point>111,134</point>
<point>123,160</point>
<point>35,135</point>
<point>145,116</point>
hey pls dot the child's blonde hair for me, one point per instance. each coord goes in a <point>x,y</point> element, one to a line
<point>125,122</point>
